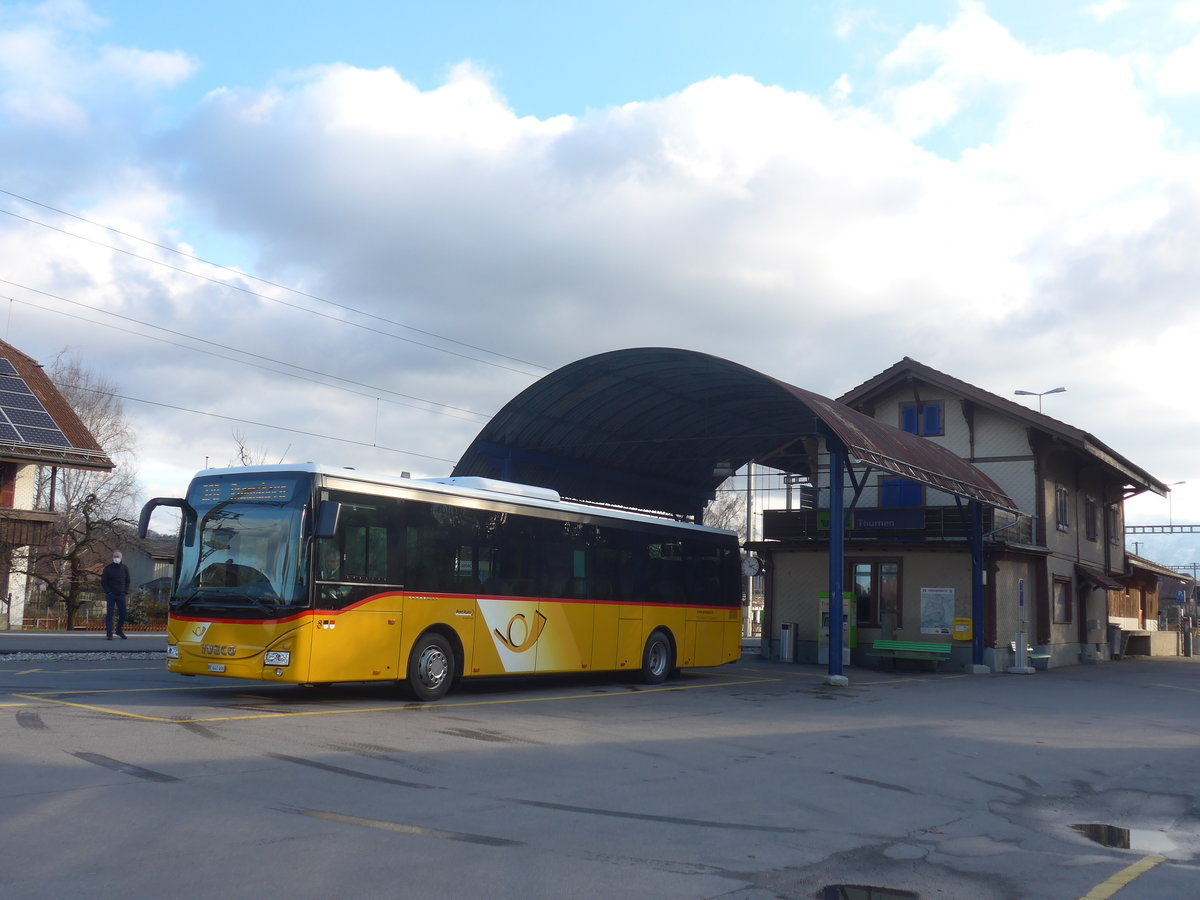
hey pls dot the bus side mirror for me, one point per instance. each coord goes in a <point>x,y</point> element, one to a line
<point>189,514</point>
<point>328,513</point>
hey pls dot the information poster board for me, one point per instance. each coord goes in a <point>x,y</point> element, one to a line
<point>937,610</point>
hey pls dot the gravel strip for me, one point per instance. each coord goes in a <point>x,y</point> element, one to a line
<point>24,655</point>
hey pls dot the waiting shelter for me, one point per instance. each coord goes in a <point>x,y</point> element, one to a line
<point>659,429</point>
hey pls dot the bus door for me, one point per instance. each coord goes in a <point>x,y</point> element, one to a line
<point>566,610</point>
<point>536,615</point>
<point>511,623</point>
<point>357,618</point>
<point>617,617</point>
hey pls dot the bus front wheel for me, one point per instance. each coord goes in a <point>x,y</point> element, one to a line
<point>657,659</point>
<point>430,667</point>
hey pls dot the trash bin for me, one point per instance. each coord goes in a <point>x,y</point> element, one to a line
<point>1114,641</point>
<point>787,641</point>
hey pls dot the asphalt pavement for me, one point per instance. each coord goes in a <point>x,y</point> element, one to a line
<point>753,781</point>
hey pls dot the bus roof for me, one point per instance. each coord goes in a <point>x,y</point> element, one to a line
<point>467,487</point>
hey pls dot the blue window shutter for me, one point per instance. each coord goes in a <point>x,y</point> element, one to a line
<point>888,492</point>
<point>909,418</point>
<point>933,418</point>
<point>899,492</point>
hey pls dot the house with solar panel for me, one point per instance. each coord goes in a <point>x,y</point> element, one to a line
<point>38,429</point>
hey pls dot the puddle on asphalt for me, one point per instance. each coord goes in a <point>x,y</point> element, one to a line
<point>1144,840</point>
<point>865,892</point>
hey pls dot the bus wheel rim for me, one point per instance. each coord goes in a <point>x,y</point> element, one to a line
<point>433,666</point>
<point>658,657</point>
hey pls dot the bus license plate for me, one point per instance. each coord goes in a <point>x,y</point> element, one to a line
<point>216,667</point>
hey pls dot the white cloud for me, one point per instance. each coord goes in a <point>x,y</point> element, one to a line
<point>1188,11</point>
<point>71,106</point>
<point>1106,9</point>
<point>1180,73</point>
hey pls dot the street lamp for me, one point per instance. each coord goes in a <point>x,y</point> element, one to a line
<point>1040,394</point>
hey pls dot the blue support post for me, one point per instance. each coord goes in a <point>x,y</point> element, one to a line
<point>837,554</point>
<point>977,610</point>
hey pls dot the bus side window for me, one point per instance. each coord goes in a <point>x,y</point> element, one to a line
<point>366,546</point>
<point>329,560</point>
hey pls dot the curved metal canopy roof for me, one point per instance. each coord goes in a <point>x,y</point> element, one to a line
<point>645,428</point>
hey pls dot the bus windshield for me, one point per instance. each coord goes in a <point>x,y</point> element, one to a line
<point>241,542</point>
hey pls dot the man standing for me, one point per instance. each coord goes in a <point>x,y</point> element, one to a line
<point>114,581</point>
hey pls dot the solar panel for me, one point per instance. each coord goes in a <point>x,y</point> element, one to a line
<point>20,417</point>
<point>9,400</point>
<point>51,437</point>
<point>23,419</point>
<point>14,383</point>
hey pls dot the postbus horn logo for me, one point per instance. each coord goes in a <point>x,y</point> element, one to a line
<point>519,638</point>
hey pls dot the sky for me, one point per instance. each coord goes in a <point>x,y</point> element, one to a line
<point>349,233</point>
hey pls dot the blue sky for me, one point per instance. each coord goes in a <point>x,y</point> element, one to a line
<point>1007,191</point>
<point>548,58</point>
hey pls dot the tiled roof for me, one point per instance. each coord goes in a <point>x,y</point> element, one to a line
<point>84,452</point>
<point>864,394</point>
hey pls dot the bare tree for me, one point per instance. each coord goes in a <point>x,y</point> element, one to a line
<point>95,509</point>
<point>727,511</point>
<point>250,456</point>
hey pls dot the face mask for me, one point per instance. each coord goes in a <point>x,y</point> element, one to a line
<point>116,559</point>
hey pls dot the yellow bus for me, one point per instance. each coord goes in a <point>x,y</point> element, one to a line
<point>311,574</point>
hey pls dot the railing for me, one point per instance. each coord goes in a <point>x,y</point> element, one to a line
<point>59,623</point>
<point>924,523</point>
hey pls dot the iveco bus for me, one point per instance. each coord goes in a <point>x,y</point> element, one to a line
<point>310,574</point>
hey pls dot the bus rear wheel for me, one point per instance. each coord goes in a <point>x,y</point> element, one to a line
<point>430,667</point>
<point>657,658</point>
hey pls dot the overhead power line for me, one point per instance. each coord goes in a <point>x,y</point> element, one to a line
<point>328,437</point>
<point>443,406</point>
<point>267,297</point>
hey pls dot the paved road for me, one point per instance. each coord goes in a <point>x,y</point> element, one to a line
<point>752,781</point>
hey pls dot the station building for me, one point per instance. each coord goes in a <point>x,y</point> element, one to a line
<point>1055,569</point>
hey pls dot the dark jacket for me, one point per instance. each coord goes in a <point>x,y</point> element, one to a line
<point>115,578</point>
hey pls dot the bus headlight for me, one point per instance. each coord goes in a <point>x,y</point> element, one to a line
<point>172,651</point>
<point>278,658</point>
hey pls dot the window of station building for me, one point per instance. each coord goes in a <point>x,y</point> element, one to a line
<point>1062,508</point>
<point>1091,516</point>
<point>876,586</point>
<point>1061,601</point>
<point>924,419</point>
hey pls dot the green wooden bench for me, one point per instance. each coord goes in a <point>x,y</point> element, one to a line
<point>932,651</point>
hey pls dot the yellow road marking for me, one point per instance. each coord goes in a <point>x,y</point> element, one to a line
<point>406,707</point>
<point>1123,878</point>
<point>1176,687</point>
<point>8,705</point>
<point>402,828</point>
<point>77,671</point>
<point>857,682</point>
